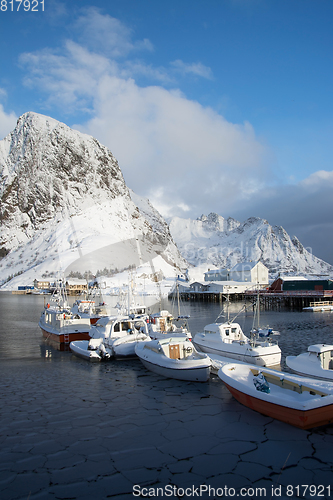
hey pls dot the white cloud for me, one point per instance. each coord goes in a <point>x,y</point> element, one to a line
<point>101,32</point>
<point>7,121</point>
<point>197,69</point>
<point>69,79</point>
<point>171,149</point>
<point>318,180</point>
<point>162,139</point>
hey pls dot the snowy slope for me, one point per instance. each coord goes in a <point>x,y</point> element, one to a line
<point>212,241</point>
<point>65,208</point>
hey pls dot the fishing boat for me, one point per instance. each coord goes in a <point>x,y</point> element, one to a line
<point>59,324</point>
<point>112,336</point>
<point>174,357</point>
<point>227,340</point>
<point>164,324</point>
<point>299,401</point>
<point>161,324</point>
<point>316,362</point>
<point>88,309</point>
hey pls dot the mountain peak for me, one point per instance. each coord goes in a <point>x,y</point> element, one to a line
<point>254,239</point>
<point>62,190</point>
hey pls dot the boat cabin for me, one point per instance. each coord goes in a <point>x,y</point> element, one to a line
<point>118,326</point>
<point>162,321</point>
<point>60,319</point>
<point>177,349</point>
<point>323,352</point>
<point>83,306</point>
<point>228,332</point>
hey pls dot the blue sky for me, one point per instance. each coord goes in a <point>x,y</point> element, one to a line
<point>209,106</point>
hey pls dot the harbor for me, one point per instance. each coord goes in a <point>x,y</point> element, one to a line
<point>72,429</point>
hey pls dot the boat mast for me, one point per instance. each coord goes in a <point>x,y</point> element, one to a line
<point>178,301</point>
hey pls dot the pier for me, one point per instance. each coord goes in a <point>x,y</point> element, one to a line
<point>296,299</point>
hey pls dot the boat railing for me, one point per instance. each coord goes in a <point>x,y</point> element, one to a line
<point>321,304</point>
<point>288,384</point>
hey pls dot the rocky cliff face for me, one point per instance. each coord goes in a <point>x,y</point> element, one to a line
<point>220,242</point>
<point>46,169</point>
<point>63,198</point>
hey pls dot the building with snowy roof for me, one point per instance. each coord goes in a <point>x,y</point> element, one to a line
<point>248,272</point>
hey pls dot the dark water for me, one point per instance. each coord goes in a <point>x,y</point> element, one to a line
<point>21,338</point>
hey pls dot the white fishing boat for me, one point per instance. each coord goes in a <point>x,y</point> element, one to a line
<point>113,336</point>
<point>174,357</point>
<point>298,401</point>
<point>229,341</point>
<point>316,362</point>
<point>164,324</point>
<point>161,325</point>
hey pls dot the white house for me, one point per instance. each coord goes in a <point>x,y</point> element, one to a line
<point>230,287</point>
<point>248,272</point>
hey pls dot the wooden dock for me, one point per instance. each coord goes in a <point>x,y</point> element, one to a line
<point>296,299</point>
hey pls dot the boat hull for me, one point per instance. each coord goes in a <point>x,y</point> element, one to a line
<point>299,401</point>
<point>80,349</point>
<point>300,364</point>
<point>201,374</point>
<point>64,338</point>
<point>267,359</point>
<point>306,419</point>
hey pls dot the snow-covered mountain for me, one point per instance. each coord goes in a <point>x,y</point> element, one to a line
<point>65,210</point>
<point>212,241</point>
<point>65,207</point>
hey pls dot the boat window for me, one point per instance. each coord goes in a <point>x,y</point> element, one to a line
<point>116,327</point>
<point>125,326</point>
<point>227,332</point>
<point>233,330</point>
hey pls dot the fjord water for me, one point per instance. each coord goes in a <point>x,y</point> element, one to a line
<point>21,338</point>
<point>73,429</point>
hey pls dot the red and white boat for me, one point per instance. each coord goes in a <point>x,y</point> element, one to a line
<point>59,325</point>
<point>299,401</point>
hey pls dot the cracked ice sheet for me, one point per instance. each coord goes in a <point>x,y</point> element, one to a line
<point>124,425</point>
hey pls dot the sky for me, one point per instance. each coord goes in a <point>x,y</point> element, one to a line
<point>219,106</point>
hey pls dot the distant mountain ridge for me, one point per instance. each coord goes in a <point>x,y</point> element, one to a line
<point>214,241</point>
<point>64,205</point>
